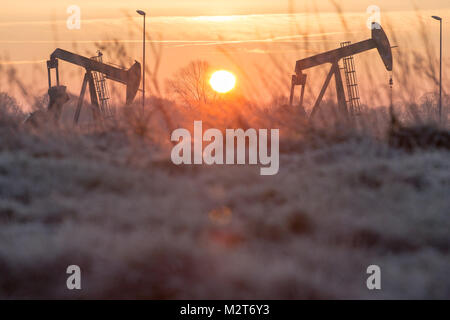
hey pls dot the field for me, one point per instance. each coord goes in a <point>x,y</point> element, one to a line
<point>110,201</point>
<point>372,190</point>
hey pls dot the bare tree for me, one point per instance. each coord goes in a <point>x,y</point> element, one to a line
<point>190,84</point>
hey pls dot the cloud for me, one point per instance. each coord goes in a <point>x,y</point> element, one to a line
<point>19,62</point>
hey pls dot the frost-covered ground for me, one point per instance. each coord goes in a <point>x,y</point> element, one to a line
<point>139,227</point>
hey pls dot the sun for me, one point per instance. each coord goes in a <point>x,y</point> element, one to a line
<point>222,81</point>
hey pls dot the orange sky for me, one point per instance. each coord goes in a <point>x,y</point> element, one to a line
<point>253,32</point>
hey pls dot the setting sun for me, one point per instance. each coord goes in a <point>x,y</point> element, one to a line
<point>222,81</point>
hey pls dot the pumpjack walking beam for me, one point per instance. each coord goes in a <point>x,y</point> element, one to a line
<point>379,41</point>
<point>131,77</point>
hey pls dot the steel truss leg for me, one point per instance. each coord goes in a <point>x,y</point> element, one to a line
<point>80,99</point>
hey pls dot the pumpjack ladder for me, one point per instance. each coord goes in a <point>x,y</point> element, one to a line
<point>354,101</point>
<point>102,89</point>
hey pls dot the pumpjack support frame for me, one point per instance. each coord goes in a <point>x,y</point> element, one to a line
<point>378,41</point>
<point>131,77</point>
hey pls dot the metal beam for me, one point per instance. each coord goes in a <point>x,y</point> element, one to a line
<point>324,88</point>
<point>111,72</point>
<point>334,55</point>
<point>131,77</point>
<point>342,103</point>
<point>80,99</point>
<point>93,94</point>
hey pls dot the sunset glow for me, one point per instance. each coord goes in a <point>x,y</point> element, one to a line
<point>222,81</point>
<point>220,151</point>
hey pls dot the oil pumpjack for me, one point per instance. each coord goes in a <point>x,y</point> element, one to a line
<point>96,71</point>
<point>378,41</point>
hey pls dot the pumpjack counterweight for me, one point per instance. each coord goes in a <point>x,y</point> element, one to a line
<point>378,41</point>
